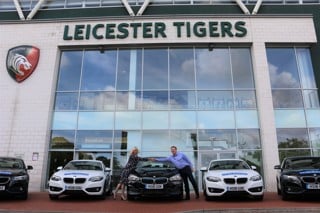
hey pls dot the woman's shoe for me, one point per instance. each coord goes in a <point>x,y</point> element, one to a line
<point>123,197</point>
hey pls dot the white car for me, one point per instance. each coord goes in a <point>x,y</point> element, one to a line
<point>88,177</point>
<point>231,177</point>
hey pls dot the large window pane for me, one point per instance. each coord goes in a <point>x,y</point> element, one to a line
<point>99,70</point>
<point>123,71</point>
<point>182,99</point>
<point>155,120</point>
<point>247,119</point>
<point>283,68</point>
<point>155,69</point>
<point>127,139</point>
<point>249,139</point>
<point>184,139</point>
<point>156,142</point>
<point>64,120</point>
<point>153,100</point>
<point>66,101</point>
<point>70,69</point>
<point>313,118</point>
<point>241,68</point>
<point>292,138</point>
<point>213,69</point>
<point>290,118</point>
<point>287,99</point>
<point>215,100</point>
<point>220,139</point>
<point>311,98</point>
<point>182,74</point>
<point>62,139</point>
<point>94,140</point>
<point>315,138</point>
<point>98,101</point>
<point>245,99</point>
<point>182,120</point>
<point>95,120</point>
<point>128,120</point>
<point>305,68</point>
<point>216,120</point>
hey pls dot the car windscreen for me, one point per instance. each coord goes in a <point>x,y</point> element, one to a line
<point>83,165</point>
<point>302,163</point>
<point>7,163</point>
<point>153,164</point>
<point>228,164</point>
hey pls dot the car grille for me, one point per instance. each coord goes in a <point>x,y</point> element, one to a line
<point>74,180</point>
<point>154,180</point>
<point>235,180</point>
<point>310,179</point>
<point>4,180</point>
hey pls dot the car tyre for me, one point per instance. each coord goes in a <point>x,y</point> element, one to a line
<point>24,196</point>
<point>104,193</point>
<point>284,194</point>
<point>53,197</point>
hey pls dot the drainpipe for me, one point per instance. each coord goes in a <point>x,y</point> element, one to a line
<point>243,7</point>
<point>35,9</point>
<point>128,8</point>
<point>18,8</point>
<point>143,7</point>
<point>256,8</point>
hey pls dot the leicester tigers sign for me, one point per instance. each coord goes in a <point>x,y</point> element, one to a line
<point>22,61</point>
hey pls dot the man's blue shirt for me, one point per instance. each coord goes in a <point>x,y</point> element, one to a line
<point>180,160</point>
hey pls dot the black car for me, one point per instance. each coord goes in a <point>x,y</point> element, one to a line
<point>14,177</point>
<point>155,179</point>
<point>298,176</point>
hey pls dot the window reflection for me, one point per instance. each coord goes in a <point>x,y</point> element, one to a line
<point>66,101</point>
<point>287,99</point>
<point>182,99</point>
<point>219,139</point>
<point>249,139</point>
<point>292,138</point>
<point>94,139</point>
<point>218,100</point>
<point>62,139</point>
<point>155,100</point>
<point>100,101</point>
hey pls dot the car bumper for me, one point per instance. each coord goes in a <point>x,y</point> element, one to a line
<point>14,188</point>
<point>169,190</point>
<point>221,189</point>
<point>299,189</point>
<point>90,188</point>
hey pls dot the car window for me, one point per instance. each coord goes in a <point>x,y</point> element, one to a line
<point>226,165</point>
<point>152,164</point>
<point>11,164</point>
<point>303,163</point>
<point>84,165</point>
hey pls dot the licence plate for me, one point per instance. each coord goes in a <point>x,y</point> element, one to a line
<point>73,187</point>
<point>2,188</point>
<point>235,188</point>
<point>313,186</point>
<point>154,186</point>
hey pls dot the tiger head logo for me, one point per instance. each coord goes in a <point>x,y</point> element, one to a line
<point>22,61</point>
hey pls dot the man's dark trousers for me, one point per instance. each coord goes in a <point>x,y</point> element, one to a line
<point>186,174</point>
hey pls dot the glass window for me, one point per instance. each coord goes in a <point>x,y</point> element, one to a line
<point>292,138</point>
<point>94,139</point>
<point>249,139</point>
<point>216,120</point>
<point>122,101</point>
<point>315,137</point>
<point>95,120</point>
<point>182,74</point>
<point>245,99</point>
<point>127,139</point>
<point>313,118</point>
<point>218,100</point>
<point>98,101</point>
<point>293,153</point>
<point>66,101</point>
<point>155,120</point>
<point>182,99</point>
<point>99,70</point>
<point>70,69</point>
<point>184,139</point>
<point>123,72</point>
<point>213,69</point>
<point>290,118</point>
<point>311,99</point>
<point>305,68</point>
<point>182,120</point>
<point>155,69</point>
<point>241,68</point>
<point>62,139</point>
<point>283,68</point>
<point>253,158</point>
<point>58,158</point>
<point>217,139</point>
<point>247,119</point>
<point>287,99</point>
<point>64,120</point>
<point>156,140</point>
<point>153,100</point>
<point>128,120</point>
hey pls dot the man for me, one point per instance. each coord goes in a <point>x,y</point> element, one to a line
<point>185,167</point>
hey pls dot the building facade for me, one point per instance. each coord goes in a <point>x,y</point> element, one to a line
<point>218,79</point>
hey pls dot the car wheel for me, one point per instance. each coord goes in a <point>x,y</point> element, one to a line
<point>53,197</point>
<point>109,192</point>
<point>24,196</point>
<point>130,197</point>
<point>284,194</point>
<point>104,193</point>
<point>278,189</point>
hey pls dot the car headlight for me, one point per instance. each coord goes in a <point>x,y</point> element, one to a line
<point>176,177</point>
<point>55,178</point>
<point>133,178</point>
<point>23,177</point>
<point>213,179</point>
<point>96,178</point>
<point>255,178</point>
<point>292,179</point>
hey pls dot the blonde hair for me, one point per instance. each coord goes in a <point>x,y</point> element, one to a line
<point>134,149</point>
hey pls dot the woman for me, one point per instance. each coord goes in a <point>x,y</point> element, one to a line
<point>131,164</point>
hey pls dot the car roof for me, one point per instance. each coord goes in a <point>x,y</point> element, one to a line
<point>10,158</point>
